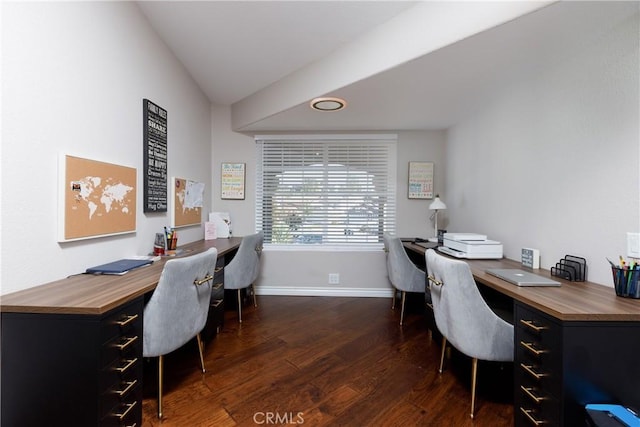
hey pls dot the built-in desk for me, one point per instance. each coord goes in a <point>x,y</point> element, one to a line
<point>574,344</point>
<point>72,349</point>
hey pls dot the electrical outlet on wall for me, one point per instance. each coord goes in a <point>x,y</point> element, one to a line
<point>334,278</point>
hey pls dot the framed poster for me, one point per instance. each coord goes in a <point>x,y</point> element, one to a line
<point>421,180</point>
<point>95,199</point>
<point>188,199</point>
<point>232,178</point>
<point>154,156</point>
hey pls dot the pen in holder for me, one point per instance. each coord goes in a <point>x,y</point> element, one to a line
<point>172,243</point>
<point>172,239</point>
<point>625,281</point>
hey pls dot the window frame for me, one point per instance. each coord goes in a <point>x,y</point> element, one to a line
<point>386,219</point>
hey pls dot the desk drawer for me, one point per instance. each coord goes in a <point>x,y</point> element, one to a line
<point>531,374</point>
<point>534,403</point>
<point>127,412</point>
<point>120,381</point>
<point>122,393</point>
<point>533,416</point>
<point>215,318</point>
<point>121,348</point>
<point>538,342</point>
<point>123,369</point>
<point>538,327</point>
<point>219,272</point>
<point>538,368</point>
<point>125,321</point>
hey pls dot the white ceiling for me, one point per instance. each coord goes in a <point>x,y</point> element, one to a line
<point>235,49</point>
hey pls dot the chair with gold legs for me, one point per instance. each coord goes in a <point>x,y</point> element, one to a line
<point>464,318</point>
<point>178,308</point>
<point>403,273</point>
<point>243,270</point>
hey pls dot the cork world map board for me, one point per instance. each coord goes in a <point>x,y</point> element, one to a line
<point>96,199</point>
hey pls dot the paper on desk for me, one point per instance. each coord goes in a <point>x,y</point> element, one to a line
<point>222,222</point>
<point>210,231</point>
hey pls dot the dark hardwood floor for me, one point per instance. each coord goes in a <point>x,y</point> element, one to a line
<point>325,361</point>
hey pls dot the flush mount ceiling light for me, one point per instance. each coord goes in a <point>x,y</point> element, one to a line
<point>328,104</point>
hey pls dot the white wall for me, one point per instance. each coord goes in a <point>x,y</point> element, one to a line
<point>306,271</point>
<point>413,214</point>
<point>552,163</point>
<point>229,146</point>
<point>73,79</point>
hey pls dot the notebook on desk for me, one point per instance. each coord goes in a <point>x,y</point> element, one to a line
<point>118,267</point>
<point>521,278</point>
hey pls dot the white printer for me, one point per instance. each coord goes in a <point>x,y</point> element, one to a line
<point>471,246</point>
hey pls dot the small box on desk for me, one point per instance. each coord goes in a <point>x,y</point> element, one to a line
<point>625,281</point>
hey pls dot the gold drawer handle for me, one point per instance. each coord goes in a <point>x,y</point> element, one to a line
<point>531,325</point>
<point>218,270</point>
<point>129,363</point>
<point>527,413</point>
<point>217,303</point>
<point>127,320</point>
<point>529,392</point>
<point>122,415</point>
<point>529,346</point>
<point>130,385</point>
<point>127,343</point>
<point>529,369</point>
<point>217,286</point>
<point>206,278</point>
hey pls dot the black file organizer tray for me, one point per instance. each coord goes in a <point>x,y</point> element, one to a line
<point>571,268</point>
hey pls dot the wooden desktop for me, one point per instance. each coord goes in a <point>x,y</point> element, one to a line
<point>574,344</point>
<point>72,349</point>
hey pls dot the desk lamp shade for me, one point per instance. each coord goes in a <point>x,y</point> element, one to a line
<point>435,206</point>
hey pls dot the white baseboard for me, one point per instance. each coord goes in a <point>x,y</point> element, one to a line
<point>324,291</point>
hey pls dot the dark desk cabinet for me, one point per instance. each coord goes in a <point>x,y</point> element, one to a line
<point>72,349</point>
<point>76,370</point>
<point>574,344</point>
<point>215,320</point>
<point>563,365</point>
<point>538,370</point>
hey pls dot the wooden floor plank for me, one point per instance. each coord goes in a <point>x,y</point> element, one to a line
<point>323,361</point>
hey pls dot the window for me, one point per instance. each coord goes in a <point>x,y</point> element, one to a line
<point>326,189</point>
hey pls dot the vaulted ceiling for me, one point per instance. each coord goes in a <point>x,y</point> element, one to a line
<point>398,64</point>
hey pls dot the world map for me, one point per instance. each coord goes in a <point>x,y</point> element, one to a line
<point>102,198</point>
<point>99,199</point>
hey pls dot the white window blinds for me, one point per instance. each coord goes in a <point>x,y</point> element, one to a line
<point>325,190</point>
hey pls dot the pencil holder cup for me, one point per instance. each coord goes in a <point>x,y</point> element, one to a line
<point>626,282</point>
<point>172,244</point>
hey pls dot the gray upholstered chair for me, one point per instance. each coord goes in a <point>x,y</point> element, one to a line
<point>244,268</point>
<point>464,318</point>
<point>403,273</point>
<point>178,308</point>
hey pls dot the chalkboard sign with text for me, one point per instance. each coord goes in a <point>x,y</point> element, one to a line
<point>155,157</point>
